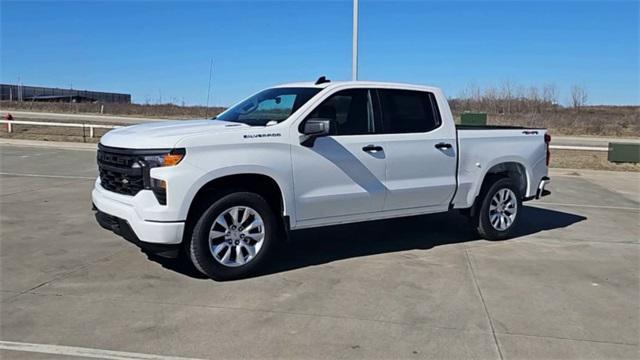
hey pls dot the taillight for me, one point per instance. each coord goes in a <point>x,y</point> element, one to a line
<point>547,140</point>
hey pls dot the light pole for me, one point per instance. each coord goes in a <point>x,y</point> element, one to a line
<point>354,55</point>
<point>206,111</point>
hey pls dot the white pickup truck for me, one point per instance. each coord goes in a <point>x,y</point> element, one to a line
<point>223,191</point>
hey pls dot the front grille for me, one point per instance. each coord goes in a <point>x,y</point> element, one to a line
<point>120,170</point>
<point>121,183</point>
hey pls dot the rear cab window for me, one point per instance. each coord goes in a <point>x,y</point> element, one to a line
<point>408,111</point>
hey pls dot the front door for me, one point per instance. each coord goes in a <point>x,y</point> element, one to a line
<point>342,174</point>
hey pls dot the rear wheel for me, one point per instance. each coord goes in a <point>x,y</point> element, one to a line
<point>499,210</point>
<point>233,237</point>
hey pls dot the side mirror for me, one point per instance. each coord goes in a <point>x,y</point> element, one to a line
<point>317,127</point>
<point>314,128</point>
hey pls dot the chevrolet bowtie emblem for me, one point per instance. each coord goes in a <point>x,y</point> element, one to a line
<point>125,181</point>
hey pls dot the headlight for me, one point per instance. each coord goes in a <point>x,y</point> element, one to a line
<point>170,159</point>
<point>148,162</point>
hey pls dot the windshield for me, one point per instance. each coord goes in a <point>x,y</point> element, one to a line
<point>275,104</point>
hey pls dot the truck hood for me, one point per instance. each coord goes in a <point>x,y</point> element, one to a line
<point>163,134</point>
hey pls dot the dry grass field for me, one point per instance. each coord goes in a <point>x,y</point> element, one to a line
<point>595,160</point>
<point>623,121</point>
<point>163,111</point>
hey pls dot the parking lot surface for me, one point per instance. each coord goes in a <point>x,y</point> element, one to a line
<point>421,287</point>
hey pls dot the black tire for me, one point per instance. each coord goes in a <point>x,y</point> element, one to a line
<point>482,213</point>
<point>199,249</point>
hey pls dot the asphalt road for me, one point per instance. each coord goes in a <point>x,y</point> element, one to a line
<point>422,287</point>
<point>588,141</point>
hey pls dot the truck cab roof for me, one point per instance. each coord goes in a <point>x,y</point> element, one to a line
<point>359,83</point>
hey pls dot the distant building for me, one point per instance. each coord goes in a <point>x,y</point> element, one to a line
<point>38,93</point>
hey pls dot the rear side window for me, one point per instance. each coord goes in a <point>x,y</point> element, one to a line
<point>407,111</point>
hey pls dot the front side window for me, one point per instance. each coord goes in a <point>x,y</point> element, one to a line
<point>350,110</point>
<point>275,104</point>
<point>407,111</point>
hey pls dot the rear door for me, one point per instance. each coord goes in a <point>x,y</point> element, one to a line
<point>420,150</point>
<point>342,174</point>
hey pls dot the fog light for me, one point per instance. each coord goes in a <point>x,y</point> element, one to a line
<point>159,188</point>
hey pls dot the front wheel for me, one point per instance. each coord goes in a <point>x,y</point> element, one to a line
<point>233,237</point>
<point>499,210</point>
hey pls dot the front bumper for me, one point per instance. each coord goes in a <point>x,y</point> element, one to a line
<point>124,208</point>
<point>122,228</point>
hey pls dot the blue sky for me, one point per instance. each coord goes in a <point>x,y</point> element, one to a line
<point>161,50</point>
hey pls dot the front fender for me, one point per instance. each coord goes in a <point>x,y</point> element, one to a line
<point>280,179</point>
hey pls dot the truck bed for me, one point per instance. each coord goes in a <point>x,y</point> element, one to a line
<point>479,151</point>
<point>493,127</point>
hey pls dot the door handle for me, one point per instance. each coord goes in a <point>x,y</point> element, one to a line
<point>372,148</point>
<point>443,146</point>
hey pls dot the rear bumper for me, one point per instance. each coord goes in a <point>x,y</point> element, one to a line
<point>541,191</point>
<point>541,187</point>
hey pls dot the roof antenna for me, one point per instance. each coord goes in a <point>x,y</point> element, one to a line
<point>322,80</point>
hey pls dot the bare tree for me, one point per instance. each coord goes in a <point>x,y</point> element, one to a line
<point>550,94</point>
<point>507,94</point>
<point>508,98</point>
<point>578,96</point>
<point>533,102</point>
<point>491,97</point>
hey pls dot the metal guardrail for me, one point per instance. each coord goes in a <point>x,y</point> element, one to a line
<point>583,148</point>
<point>91,127</point>
<point>102,126</point>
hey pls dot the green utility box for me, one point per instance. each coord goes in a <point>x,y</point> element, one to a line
<point>624,152</point>
<point>473,118</point>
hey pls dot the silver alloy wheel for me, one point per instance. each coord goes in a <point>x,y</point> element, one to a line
<point>236,236</point>
<point>503,209</point>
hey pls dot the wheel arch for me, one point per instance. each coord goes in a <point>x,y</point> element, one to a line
<point>259,183</point>
<point>512,169</point>
<point>509,169</point>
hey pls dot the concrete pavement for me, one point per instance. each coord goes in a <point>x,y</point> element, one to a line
<point>422,287</point>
